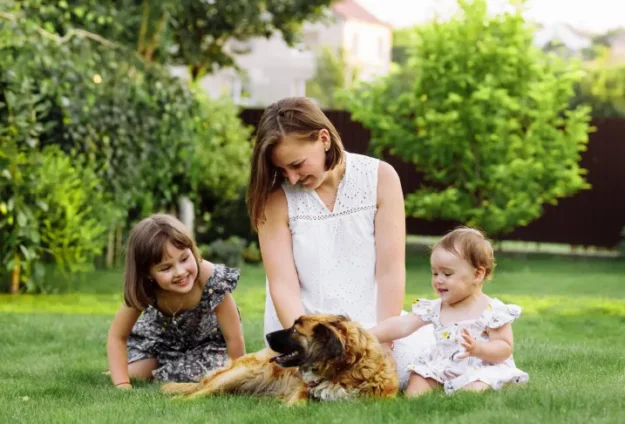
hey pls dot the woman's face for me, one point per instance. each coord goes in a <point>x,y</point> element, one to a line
<point>302,161</point>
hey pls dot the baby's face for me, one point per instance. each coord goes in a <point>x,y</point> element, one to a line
<point>453,278</point>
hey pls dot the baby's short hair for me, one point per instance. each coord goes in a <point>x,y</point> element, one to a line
<point>471,245</point>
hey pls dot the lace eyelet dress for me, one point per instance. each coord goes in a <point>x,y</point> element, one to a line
<point>334,253</point>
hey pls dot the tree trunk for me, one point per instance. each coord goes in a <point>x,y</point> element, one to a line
<point>110,248</point>
<point>118,245</point>
<point>185,206</point>
<point>15,276</point>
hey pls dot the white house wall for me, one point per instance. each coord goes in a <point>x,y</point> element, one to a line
<point>368,47</point>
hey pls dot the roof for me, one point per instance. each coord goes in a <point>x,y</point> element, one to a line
<point>563,33</point>
<point>350,9</point>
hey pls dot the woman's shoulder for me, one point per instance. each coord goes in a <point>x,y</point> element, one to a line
<point>358,160</point>
<point>387,175</point>
<point>276,209</point>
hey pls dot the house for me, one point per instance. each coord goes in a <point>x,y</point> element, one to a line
<point>562,38</point>
<point>366,40</point>
<point>269,70</point>
<point>617,47</point>
<point>272,70</point>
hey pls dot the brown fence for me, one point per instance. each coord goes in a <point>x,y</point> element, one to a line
<point>592,217</point>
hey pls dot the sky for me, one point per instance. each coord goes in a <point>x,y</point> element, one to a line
<point>589,15</point>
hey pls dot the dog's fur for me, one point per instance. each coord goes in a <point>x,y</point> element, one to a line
<point>321,357</point>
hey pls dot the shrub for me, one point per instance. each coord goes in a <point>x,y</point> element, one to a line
<point>483,115</point>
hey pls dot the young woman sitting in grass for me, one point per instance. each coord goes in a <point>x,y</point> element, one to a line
<point>179,319</point>
<point>473,331</point>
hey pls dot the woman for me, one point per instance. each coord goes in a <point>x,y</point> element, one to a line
<point>331,226</point>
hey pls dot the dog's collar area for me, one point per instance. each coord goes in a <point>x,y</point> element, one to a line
<point>312,384</point>
<point>310,378</point>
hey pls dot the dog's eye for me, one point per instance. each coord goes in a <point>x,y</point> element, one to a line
<point>293,329</point>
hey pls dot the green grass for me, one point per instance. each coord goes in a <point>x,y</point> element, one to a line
<point>569,339</point>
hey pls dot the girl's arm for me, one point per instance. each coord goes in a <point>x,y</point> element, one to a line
<point>496,350</point>
<point>397,327</point>
<point>230,325</point>
<point>116,348</point>
<point>390,242</point>
<point>276,248</point>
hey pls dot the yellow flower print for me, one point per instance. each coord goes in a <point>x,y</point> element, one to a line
<point>489,308</point>
<point>415,301</point>
<point>445,334</point>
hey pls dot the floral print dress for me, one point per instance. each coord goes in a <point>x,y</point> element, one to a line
<point>440,362</point>
<point>189,344</point>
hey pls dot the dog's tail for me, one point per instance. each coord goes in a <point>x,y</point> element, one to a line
<point>184,389</point>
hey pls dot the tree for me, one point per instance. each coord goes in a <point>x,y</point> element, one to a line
<point>192,33</point>
<point>484,116</point>
<point>401,45</point>
<point>603,88</point>
<point>332,74</point>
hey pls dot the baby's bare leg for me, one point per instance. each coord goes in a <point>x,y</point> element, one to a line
<point>142,369</point>
<point>476,386</point>
<point>419,385</point>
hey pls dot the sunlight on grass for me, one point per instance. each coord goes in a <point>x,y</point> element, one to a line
<point>252,303</point>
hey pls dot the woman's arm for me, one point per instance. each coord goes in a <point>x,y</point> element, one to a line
<point>390,242</point>
<point>117,351</point>
<point>276,248</point>
<point>230,325</point>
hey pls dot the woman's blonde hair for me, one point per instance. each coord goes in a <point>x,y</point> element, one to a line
<point>145,248</point>
<point>471,245</point>
<point>292,115</point>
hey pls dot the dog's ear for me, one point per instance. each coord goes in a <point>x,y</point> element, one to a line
<point>332,345</point>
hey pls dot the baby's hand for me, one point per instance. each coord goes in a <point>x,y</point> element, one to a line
<point>470,345</point>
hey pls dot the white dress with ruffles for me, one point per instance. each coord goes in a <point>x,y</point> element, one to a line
<point>440,363</point>
<point>335,256</point>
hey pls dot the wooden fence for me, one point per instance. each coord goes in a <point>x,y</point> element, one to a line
<point>593,217</point>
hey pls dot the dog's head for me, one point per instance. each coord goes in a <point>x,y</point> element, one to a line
<point>311,339</point>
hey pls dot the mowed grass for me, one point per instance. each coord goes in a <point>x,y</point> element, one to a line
<point>569,339</point>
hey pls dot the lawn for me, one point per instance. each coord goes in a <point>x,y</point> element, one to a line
<point>569,339</point>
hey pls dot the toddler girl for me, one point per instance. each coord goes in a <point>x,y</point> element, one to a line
<point>473,332</point>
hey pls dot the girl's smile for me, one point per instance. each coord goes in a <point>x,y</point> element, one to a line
<point>177,271</point>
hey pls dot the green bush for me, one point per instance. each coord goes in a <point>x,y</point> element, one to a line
<point>484,116</point>
<point>219,159</point>
<point>229,251</point>
<point>603,88</point>
<point>52,209</point>
<point>82,127</point>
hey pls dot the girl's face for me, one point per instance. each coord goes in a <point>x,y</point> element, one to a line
<point>453,278</point>
<point>302,161</point>
<point>177,270</point>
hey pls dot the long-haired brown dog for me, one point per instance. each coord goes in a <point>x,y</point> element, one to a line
<point>321,357</point>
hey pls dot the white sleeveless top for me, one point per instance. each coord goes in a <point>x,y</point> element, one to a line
<point>334,251</point>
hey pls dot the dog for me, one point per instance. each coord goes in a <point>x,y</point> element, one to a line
<point>321,357</point>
